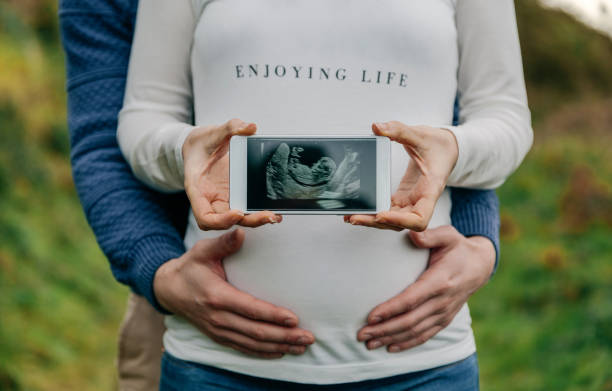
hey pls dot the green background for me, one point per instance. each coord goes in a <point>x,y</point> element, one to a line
<point>543,323</point>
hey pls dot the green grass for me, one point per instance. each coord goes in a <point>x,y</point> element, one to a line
<point>60,304</point>
<point>545,320</point>
<point>543,323</point>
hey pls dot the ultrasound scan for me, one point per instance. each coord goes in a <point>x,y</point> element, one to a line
<point>287,177</point>
<point>311,174</point>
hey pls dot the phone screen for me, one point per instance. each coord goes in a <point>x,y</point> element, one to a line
<point>306,174</point>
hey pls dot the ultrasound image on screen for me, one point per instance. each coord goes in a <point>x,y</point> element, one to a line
<point>311,174</point>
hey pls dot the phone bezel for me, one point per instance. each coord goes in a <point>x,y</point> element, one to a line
<point>238,174</point>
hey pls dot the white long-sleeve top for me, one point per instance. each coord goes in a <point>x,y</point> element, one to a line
<point>337,65</point>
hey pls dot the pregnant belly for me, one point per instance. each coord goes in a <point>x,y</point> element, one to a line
<point>330,274</point>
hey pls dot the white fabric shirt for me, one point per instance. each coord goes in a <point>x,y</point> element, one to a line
<point>292,66</point>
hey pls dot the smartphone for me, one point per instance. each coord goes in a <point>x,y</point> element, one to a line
<point>310,175</point>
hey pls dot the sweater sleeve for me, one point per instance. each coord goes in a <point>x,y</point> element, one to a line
<point>475,212</point>
<point>495,132</point>
<point>157,112</point>
<point>136,228</point>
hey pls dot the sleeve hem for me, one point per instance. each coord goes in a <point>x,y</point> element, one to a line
<point>462,147</point>
<point>479,219</point>
<point>178,150</point>
<point>146,256</point>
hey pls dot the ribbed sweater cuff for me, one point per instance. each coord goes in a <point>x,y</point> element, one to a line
<point>476,219</point>
<point>146,256</point>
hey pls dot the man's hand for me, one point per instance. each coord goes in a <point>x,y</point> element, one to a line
<point>194,286</point>
<point>458,266</point>
<point>433,153</point>
<point>206,163</point>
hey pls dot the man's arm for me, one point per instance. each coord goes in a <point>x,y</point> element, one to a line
<point>138,229</point>
<point>475,212</point>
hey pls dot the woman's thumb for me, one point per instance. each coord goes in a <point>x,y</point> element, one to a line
<point>399,132</point>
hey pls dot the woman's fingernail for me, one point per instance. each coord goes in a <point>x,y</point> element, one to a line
<point>394,349</point>
<point>381,125</point>
<point>375,345</point>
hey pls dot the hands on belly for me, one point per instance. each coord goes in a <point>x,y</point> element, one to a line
<point>195,287</point>
<point>458,266</point>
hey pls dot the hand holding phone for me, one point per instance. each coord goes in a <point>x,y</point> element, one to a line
<point>433,153</point>
<point>206,165</point>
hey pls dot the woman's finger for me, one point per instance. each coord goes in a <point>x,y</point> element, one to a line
<point>218,221</point>
<point>370,221</point>
<point>404,321</point>
<point>220,206</point>
<point>209,216</point>
<point>260,218</point>
<point>417,215</point>
<point>402,218</point>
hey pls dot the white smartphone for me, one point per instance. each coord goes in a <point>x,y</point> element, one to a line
<point>310,175</point>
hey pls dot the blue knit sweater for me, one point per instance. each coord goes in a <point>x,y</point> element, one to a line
<point>139,229</point>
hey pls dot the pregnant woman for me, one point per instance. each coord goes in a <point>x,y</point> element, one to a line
<point>337,66</point>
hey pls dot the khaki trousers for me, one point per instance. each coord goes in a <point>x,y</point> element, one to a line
<point>140,346</point>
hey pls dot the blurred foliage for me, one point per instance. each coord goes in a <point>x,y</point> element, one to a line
<point>543,323</point>
<point>563,60</point>
<point>60,306</point>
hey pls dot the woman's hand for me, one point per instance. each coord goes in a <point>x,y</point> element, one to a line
<point>458,266</point>
<point>433,153</point>
<point>206,163</point>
